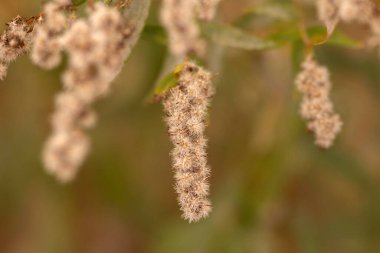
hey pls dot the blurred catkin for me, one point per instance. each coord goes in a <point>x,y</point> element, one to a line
<point>186,110</point>
<point>179,19</point>
<point>314,83</point>
<point>97,47</point>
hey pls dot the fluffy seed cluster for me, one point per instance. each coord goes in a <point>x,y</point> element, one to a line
<point>14,42</point>
<point>179,19</point>
<point>46,50</point>
<point>314,83</point>
<point>365,12</point>
<point>186,109</point>
<point>97,48</point>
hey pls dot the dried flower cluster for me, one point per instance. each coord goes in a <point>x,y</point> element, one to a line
<point>186,110</point>
<point>365,12</point>
<point>14,42</point>
<point>314,83</point>
<point>179,19</point>
<point>97,48</point>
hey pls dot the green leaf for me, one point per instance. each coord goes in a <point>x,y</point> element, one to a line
<point>234,37</point>
<point>318,36</point>
<point>155,33</point>
<point>168,82</point>
<point>340,39</point>
<point>78,2</point>
<point>269,11</point>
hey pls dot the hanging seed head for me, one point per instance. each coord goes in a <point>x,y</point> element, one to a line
<point>178,17</point>
<point>186,110</point>
<point>314,83</point>
<point>97,47</point>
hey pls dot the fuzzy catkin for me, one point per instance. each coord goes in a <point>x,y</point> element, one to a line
<point>314,83</point>
<point>186,109</point>
<point>179,19</point>
<point>14,41</point>
<point>94,60</point>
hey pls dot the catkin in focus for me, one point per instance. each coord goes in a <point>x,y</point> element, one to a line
<point>186,106</point>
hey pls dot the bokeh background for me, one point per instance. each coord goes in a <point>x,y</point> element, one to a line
<point>273,190</point>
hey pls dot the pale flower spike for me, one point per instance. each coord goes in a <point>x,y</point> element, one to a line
<point>94,60</point>
<point>179,19</point>
<point>317,109</point>
<point>186,110</point>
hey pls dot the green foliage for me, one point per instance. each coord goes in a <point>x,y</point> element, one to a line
<point>78,2</point>
<point>168,82</point>
<point>234,37</point>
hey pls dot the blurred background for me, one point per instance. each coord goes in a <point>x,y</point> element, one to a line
<point>273,190</point>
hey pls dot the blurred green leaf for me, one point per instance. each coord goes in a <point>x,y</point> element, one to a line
<point>234,37</point>
<point>318,34</point>
<point>231,36</point>
<point>274,11</point>
<point>156,33</point>
<point>78,2</point>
